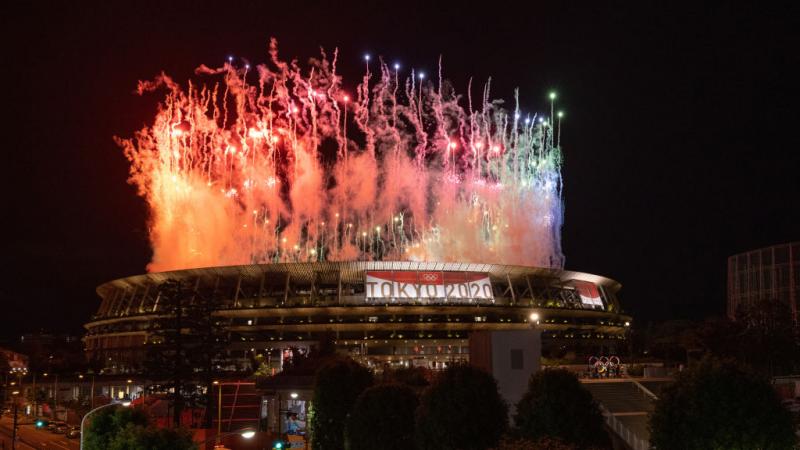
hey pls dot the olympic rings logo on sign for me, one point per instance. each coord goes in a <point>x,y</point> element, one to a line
<point>429,277</point>
<point>604,363</point>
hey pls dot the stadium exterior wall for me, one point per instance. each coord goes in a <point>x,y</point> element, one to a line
<point>380,312</point>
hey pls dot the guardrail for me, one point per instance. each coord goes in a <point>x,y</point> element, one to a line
<point>630,438</point>
<point>642,388</point>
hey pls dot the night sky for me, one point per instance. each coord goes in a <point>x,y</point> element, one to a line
<point>680,137</point>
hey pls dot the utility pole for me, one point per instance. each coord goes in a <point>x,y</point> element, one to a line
<point>55,397</point>
<point>14,428</point>
<point>91,394</point>
<point>35,410</point>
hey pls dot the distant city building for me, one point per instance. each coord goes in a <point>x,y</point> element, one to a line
<point>770,273</point>
<point>52,352</point>
<point>14,361</point>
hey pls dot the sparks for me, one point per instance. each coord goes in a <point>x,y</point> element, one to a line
<point>291,165</point>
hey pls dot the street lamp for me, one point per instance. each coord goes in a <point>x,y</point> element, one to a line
<point>219,406</point>
<point>245,433</point>
<point>125,402</point>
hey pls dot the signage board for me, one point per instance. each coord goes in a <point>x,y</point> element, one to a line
<point>411,285</point>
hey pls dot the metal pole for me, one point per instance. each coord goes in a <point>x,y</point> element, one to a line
<point>55,397</point>
<point>35,409</point>
<point>219,412</point>
<point>14,428</point>
<point>91,396</point>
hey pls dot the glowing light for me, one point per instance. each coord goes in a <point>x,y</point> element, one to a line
<point>560,114</point>
<point>248,434</point>
<point>366,57</point>
<point>552,95</point>
<point>293,395</point>
<point>221,192</point>
<point>534,317</point>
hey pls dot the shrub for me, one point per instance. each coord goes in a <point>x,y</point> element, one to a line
<point>461,409</point>
<point>557,405</point>
<point>718,404</point>
<point>383,417</point>
<point>337,385</point>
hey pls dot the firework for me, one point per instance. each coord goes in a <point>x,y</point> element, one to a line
<point>280,163</point>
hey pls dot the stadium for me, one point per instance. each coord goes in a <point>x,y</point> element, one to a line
<point>380,312</point>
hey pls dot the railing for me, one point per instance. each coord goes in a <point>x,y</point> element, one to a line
<point>642,389</point>
<point>634,441</point>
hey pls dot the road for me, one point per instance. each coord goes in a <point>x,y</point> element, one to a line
<point>32,439</point>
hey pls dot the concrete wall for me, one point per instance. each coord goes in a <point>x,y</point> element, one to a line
<point>501,349</point>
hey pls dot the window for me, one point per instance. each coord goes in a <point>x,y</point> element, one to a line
<point>516,359</point>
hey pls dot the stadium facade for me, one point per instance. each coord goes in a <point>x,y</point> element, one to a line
<point>380,312</point>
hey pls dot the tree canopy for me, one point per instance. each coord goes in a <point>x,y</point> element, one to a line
<point>557,406</point>
<point>105,424</point>
<point>720,405</point>
<point>337,385</point>
<point>383,417</point>
<point>134,437</point>
<point>461,409</point>
<point>127,429</point>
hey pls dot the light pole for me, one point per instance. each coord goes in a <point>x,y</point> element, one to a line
<point>219,408</point>
<point>14,426</point>
<point>124,402</point>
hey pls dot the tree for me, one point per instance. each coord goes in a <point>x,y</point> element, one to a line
<point>768,342</point>
<point>135,437</point>
<point>556,405</point>
<point>414,377</point>
<point>183,346</point>
<point>337,385</point>
<point>128,429</point>
<point>720,405</point>
<point>461,409</point>
<point>109,422</point>
<point>382,417</point>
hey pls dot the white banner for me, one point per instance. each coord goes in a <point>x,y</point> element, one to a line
<point>408,285</point>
